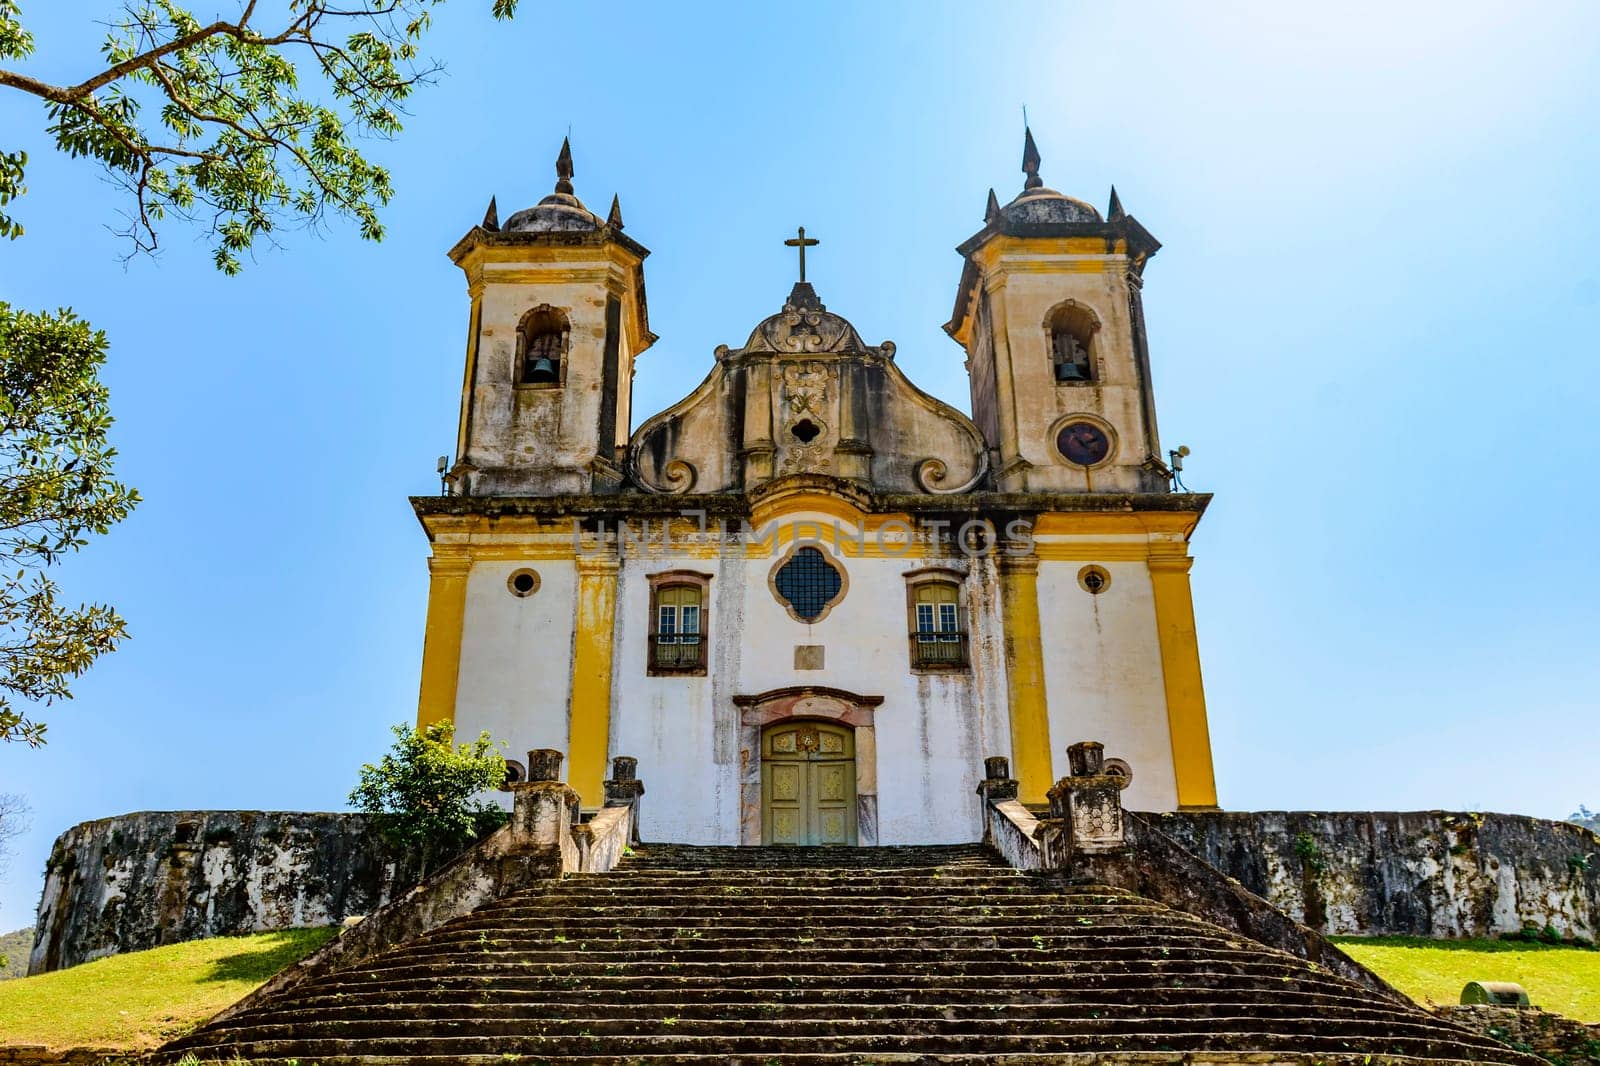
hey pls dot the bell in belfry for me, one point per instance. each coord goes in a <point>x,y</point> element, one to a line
<point>542,371</point>
<point>1069,371</point>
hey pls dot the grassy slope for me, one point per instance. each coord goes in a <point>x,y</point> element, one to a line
<point>1563,980</point>
<point>15,947</point>
<point>144,998</point>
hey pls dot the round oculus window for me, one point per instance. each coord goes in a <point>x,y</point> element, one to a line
<point>523,583</point>
<point>1083,443</point>
<point>1094,579</point>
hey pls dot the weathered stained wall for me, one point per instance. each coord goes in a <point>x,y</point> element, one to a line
<point>141,880</point>
<point>1419,873</point>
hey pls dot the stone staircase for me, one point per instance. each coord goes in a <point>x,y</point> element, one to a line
<point>793,955</point>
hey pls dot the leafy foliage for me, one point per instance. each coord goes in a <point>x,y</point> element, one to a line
<point>243,127</point>
<point>56,486</point>
<point>424,788</point>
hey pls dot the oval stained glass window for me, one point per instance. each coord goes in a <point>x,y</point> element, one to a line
<point>809,583</point>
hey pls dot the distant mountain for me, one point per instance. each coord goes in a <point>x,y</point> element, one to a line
<point>15,947</point>
<point>1585,817</point>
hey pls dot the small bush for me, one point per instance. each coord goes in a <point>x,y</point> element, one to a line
<point>424,792</point>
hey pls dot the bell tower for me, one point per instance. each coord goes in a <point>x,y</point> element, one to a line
<point>557,319</point>
<point>1050,314</point>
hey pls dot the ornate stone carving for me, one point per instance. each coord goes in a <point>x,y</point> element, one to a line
<point>805,387</point>
<point>805,395</point>
<point>680,476</point>
<point>932,473</point>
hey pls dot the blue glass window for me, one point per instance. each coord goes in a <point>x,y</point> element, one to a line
<point>809,583</point>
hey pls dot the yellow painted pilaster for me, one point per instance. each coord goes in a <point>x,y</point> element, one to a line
<point>441,643</point>
<point>1025,694</point>
<point>1180,667</point>
<point>589,728</point>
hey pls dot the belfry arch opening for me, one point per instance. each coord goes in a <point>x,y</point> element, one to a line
<point>542,339</point>
<point>1072,329</point>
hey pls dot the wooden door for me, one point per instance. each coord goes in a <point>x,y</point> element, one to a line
<point>808,784</point>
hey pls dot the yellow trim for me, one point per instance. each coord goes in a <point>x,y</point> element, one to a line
<point>1064,523</point>
<point>1025,692</point>
<point>791,501</point>
<point>1180,669</point>
<point>441,641</point>
<point>1090,551</point>
<point>1089,248</point>
<point>589,718</point>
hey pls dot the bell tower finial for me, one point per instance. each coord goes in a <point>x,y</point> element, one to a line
<point>1030,160</point>
<point>564,167</point>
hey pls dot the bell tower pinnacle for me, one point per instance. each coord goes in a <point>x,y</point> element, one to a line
<point>557,319</point>
<point>1049,313</point>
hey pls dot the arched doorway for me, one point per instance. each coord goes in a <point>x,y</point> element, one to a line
<point>817,705</point>
<point>808,783</point>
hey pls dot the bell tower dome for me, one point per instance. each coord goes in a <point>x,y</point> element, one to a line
<point>1049,313</point>
<point>557,319</point>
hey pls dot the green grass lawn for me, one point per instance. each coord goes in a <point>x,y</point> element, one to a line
<point>145,998</point>
<point>1560,979</point>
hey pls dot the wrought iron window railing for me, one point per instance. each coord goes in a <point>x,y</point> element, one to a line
<point>677,652</point>
<point>938,649</point>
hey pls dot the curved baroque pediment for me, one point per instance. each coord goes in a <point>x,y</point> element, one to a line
<point>806,395</point>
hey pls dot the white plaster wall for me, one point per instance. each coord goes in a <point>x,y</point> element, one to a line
<point>674,724</point>
<point>1103,677</point>
<point>930,727</point>
<point>933,731</point>
<point>516,657</point>
<point>1102,674</point>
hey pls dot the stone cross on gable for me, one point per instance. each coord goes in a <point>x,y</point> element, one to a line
<point>802,242</point>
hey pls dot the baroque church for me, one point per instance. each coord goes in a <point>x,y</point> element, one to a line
<point>809,598</point>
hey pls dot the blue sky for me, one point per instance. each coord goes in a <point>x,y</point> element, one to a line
<point>1374,321</point>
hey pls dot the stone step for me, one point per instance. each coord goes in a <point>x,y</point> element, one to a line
<point>487,1030</point>
<point>818,857</point>
<point>730,916</point>
<point>419,986</point>
<point>821,953</point>
<point>723,1004</point>
<point>901,1058</point>
<point>321,1050</point>
<point>864,965</point>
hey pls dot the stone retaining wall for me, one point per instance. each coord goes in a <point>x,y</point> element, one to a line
<point>142,880</point>
<point>1422,873</point>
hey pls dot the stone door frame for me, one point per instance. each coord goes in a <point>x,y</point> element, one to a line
<point>822,704</point>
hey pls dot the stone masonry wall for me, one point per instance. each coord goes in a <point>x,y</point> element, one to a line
<point>141,880</point>
<point>1422,873</point>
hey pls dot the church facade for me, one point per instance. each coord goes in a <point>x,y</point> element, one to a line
<point>810,598</point>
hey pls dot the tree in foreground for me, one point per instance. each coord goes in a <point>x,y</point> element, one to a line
<point>425,791</point>
<point>244,124</point>
<point>56,486</point>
